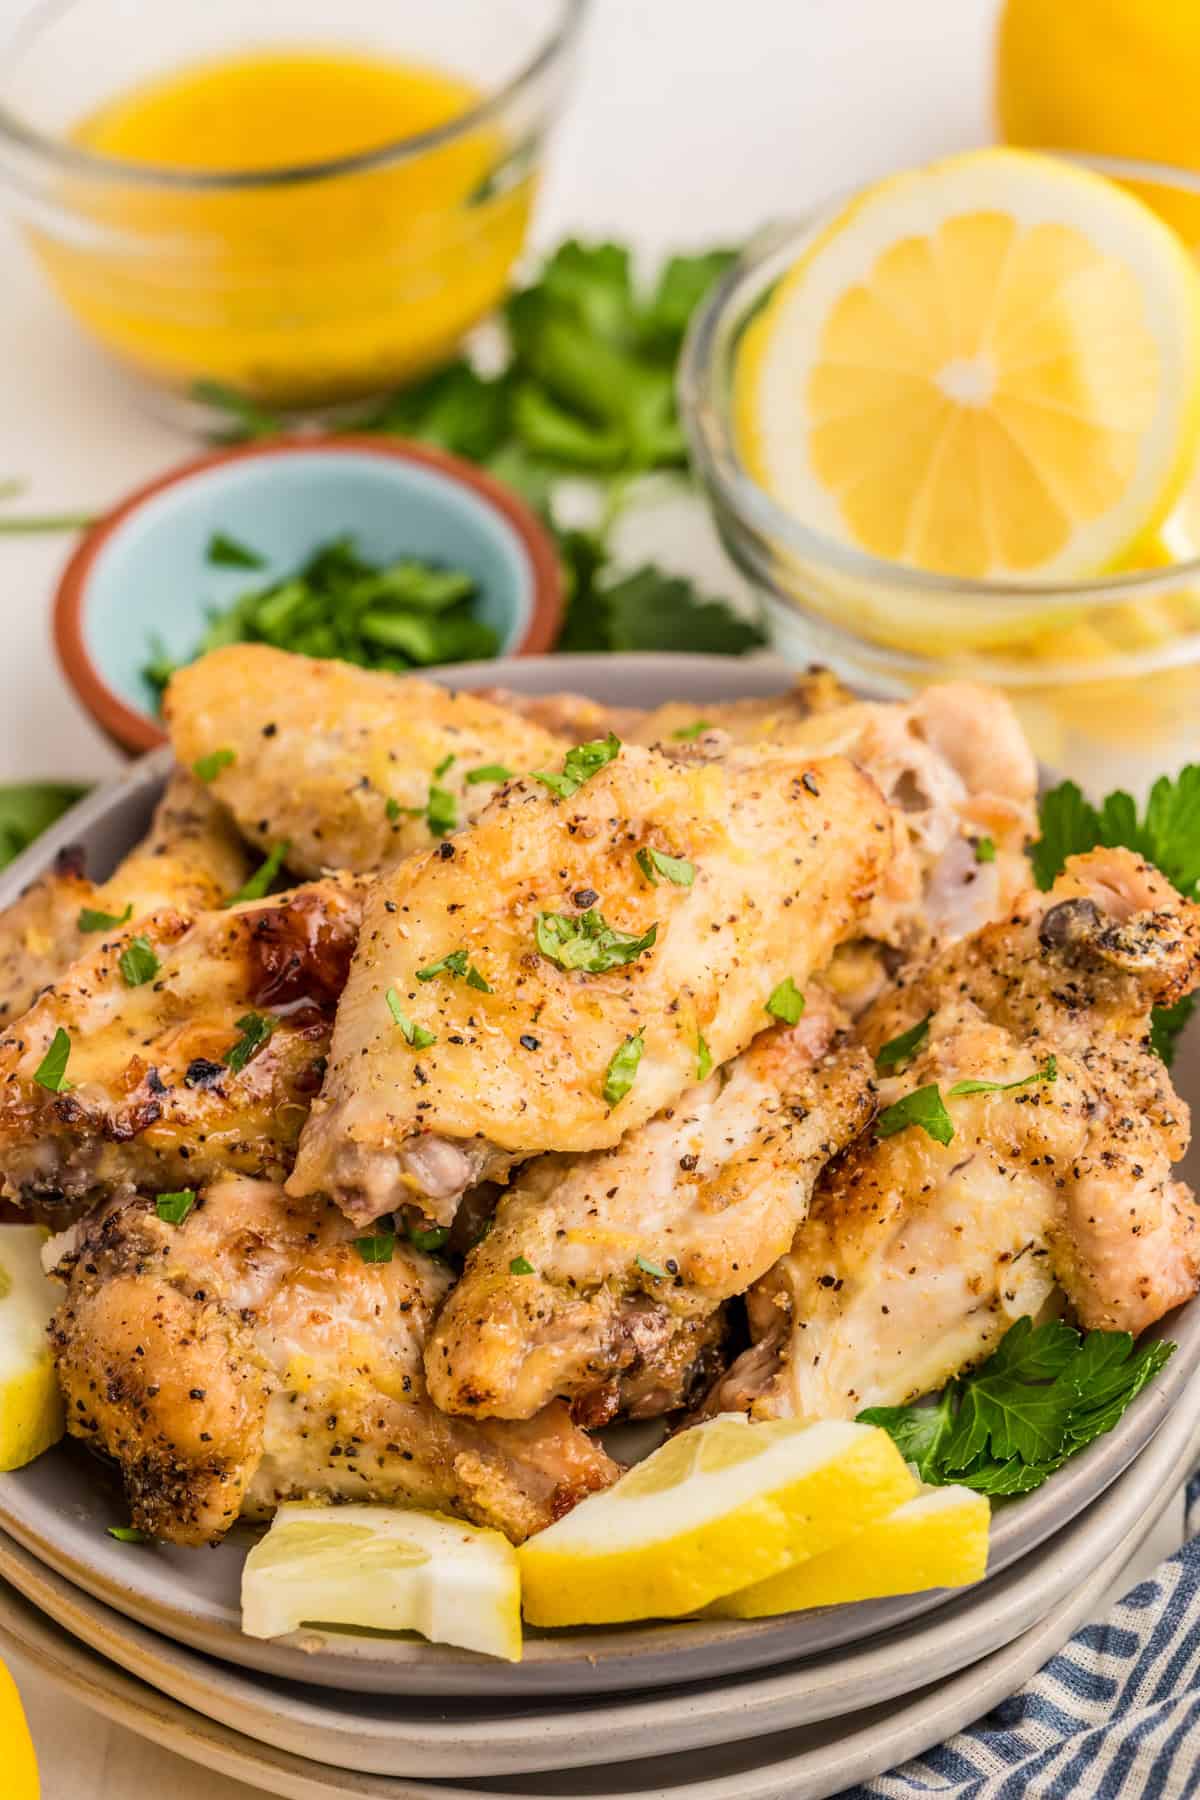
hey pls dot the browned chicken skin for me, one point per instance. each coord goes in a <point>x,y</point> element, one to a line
<point>251,1355</point>
<point>917,1255</point>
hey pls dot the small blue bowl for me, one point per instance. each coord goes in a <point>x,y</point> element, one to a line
<point>142,573</point>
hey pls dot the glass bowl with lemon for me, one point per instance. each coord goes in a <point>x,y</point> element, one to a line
<point>278,207</point>
<point>951,425</point>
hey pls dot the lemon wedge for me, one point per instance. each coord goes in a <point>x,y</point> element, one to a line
<point>31,1408</point>
<point>20,1764</point>
<point>383,1568</point>
<point>721,1505</point>
<point>940,1539</point>
<point>989,367</point>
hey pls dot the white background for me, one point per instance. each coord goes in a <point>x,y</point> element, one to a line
<point>693,121</point>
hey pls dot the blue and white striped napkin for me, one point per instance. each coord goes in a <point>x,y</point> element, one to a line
<point>1114,1716</point>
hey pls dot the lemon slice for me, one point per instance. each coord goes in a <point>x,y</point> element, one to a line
<point>721,1505</point>
<point>385,1569</point>
<point>31,1408</point>
<point>940,1539</point>
<point>989,367</point>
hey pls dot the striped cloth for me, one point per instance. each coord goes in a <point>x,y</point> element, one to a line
<point>1114,1716</point>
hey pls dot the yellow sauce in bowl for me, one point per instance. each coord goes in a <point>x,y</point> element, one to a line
<point>296,292</point>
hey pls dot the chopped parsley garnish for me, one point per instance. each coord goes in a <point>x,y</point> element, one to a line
<point>786,1002</point>
<point>985,850</point>
<point>416,1035</point>
<point>677,869</point>
<point>488,772</point>
<point>520,1265</point>
<point>1043,1394</point>
<point>704,1060</point>
<point>924,1107</point>
<point>694,730</point>
<point>128,1534</point>
<point>226,553</point>
<point>207,768</point>
<point>455,964</point>
<point>441,811</point>
<point>430,1238</point>
<point>173,1209</point>
<point>900,1050</point>
<point>622,1070</point>
<point>588,942</point>
<point>259,884</point>
<point>90,919</point>
<point>650,1268</point>
<point>255,1030</point>
<point>51,1072</point>
<point>1047,1072</point>
<point>377,1248</point>
<point>137,962</point>
<point>27,808</point>
<point>393,809</point>
<point>579,765</point>
<point>447,762</point>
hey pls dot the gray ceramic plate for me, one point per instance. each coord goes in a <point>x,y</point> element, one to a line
<point>767,1762</point>
<point>59,1507</point>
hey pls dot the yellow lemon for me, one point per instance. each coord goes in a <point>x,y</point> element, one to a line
<point>721,1505</point>
<point>20,1765</point>
<point>31,1409</point>
<point>387,1569</point>
<point>989,367</point>
<point>940,1539</point>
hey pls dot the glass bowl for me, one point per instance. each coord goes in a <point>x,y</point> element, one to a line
<point>1105,673</point>
<point>299,288</point>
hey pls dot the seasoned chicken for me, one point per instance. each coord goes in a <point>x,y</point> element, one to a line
<point>351,768</point>
<point>190,859</point>
<point>194,1047</point>
<point>530,986</point>
<point>251,1355</point>
<point>624,1256</point>
<point>917,1255</point>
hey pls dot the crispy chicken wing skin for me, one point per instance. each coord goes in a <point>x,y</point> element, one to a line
<point>250,1355</point>
<point>152,1098</point>
<point>631,1251</point>
<point>787,852</point>
<point>339,761</point>
<point>190,859</point>
<point>916,1256</point>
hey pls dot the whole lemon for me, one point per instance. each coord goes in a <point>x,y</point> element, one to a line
<point>1118,77</point>
<point>20,1767</point>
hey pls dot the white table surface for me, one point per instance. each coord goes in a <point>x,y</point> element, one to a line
<point>693,122</point>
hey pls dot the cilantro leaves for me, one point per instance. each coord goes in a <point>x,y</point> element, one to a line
<point>1043,1394</point>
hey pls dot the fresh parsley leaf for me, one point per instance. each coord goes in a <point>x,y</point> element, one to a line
<point>488,772</point>
<point>441,811</point>
<point>786,1002</point>
<point>924,1107</point>
<point>704,1060</point>
<point>128,1534</point>
<point>226,553</point>
<point>900,1050</point>
<point>454,963</point>
<point>255,1030</point>
<point>207,768</point>
<point>579,765</point>
<point>478,982</point>
<point>90,919</point>
<point>247,418</point>
<point>51,1072</point>
<point>430,1239</point>
<point>649,609</point>
<point>455,408</point>
<point>588,942</point>
<point>173,1209</point>
<point>622,1070</point>
<point>417,1035</point>
<point>377,1248</point>
<point>695,730</point>
<point>919,1432</point>
<point>650,1268</point>
<point>683,284</point>
<point>1047,1072</point>
<point>447,762</point>
<point>654,863</point>
<point>985,850</point>
<point>520,1265</point>
<point>259,884</point>
<point>27,809</point>
<point>1167,834</point>
<point>137,962</point>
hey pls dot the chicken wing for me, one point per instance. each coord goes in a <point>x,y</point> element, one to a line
<point>351,768</point>
<point>541,983</point>
<point>190,859</point>
<point>251,1355</point>
<point>193,1046</point>
<point>623,1257</point>
<point>917,1254</point>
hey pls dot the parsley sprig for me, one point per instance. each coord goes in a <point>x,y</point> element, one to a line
<point>1043,1394</point>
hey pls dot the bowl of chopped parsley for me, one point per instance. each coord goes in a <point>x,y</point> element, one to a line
<point>389,554</point>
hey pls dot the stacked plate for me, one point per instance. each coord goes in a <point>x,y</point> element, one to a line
<point>798,1706</point>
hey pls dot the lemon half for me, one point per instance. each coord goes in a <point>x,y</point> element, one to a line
<point>721,1505</point>
<point>989,367</point>
<point>31,1408</point>
<point>386,1569</point>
